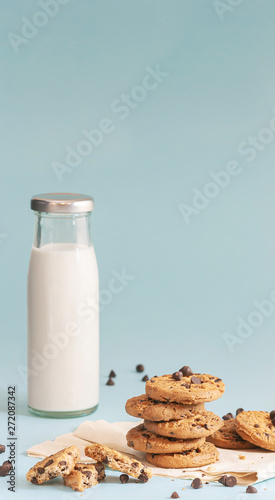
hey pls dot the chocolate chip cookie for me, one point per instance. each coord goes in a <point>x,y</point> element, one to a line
<point>257,428</point>
<point>191,389</point>
<point>149,409</point>
<point>141,439</point>
<point>84,476</point>
<point>227,437</point>
<point>59,464</point>
<point>203,455</point>
<point>118,461</point>
<point>201,425</point>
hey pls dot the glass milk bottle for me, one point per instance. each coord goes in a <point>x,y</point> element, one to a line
<point>63,308</point>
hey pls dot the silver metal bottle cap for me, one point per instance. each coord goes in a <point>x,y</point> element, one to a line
<point>66,203</point>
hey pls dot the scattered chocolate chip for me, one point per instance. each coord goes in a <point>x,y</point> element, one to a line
<point>63,462</point>
<point>272,414</point>
<point>140,368</point>
<point>206,426</point>
<point>33,480</point>
<point>267,435</point>
<point>195,380</point>
<point>50,462</point>
<point>112,374</point>
<point>2,448</point>
<point>174,495</point>
<point>196,483</point>
<point>256,426</point>
<point>145,378</point>
<point>124,478</point>
<point>105,460</point>
<point>228,416</point>
<point>239,410</point>
<point>177,376</point>
<point>186,371</point>
<point>88,473</point>
<point>206,482</point>
<point>131,444</point>
<point>110,382</point>
<point>40,470</point>
<point>230,481</point>
<point>251,489</point>
<point>218,380</point>
<point>222,479</point>
<point>273,421</point>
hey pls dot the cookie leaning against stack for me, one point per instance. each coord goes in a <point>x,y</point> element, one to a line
<point>175,420</point>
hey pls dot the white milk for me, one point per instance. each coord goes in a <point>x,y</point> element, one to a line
<point>63,328</point>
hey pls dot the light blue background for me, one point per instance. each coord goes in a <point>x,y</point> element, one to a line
<point>192,281</point>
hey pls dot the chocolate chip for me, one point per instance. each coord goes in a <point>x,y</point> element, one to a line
<point>177,376</point>
<point>195,380</point>
<point>140,368</point>
<point>88,473</point>
<point>218,380</point>
<point>239,410</point>
<point>5,468</point>
<point>256,426</point>
<point>196,483</point>
<point>40,470</point>
<point>251,489</point>
<point>105,460</point>
<point>143,477</point>
<point>99,467</point>
<point>145,378</point>
<point>110,382</point>
<point>112,374</point>
<point>230,481</point>
<point>222,479</point>
<point>124,478</point>
<point>186,371</point>
<point>187,386</point>
<point>2,448</point>
<point>63,462</point>
<point>273,421</point>
<point>206,426</point>
<point>228,416</point>
<point>174,495</point>
<point>8,464</point>
<point>267,435</point>
<point>131,444</point>
<point>33,480</point>
<point>272,414</point>
<point>50,462</point>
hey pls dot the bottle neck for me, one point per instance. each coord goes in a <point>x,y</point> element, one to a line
<point>62,228</point>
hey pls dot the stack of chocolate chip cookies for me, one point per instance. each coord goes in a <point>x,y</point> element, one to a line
<point>176,424</point>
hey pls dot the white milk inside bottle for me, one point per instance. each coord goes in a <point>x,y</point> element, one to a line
<point>63,309</point>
